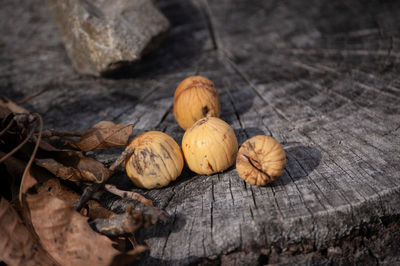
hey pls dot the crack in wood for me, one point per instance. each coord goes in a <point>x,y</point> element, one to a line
<point>207,14</point>
<point>212,219</point>
<point>230,190</point>
<point>251,213</point>
<point>168,235</point>
<point>190,237</point>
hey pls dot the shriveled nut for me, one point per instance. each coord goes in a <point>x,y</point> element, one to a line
<point>196,97</point>
<point>260,160</point>
<point>156,161</point>
<point>209,146</point>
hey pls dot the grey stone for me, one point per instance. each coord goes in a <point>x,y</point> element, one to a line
<point>100,36</point>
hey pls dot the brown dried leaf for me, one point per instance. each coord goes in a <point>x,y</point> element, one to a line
<point>74,166</point>
<point>17,245</point>
<point>67,236</point>
<point>103,135</point>
<point>13,107</point>
<point>28,182</point>
<point>65,172</point>
<point>56,189</point>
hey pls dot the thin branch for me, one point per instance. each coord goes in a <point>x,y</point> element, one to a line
<point>90,190</point>
<point>125,154</point>
<point>60,133</point>
<point>130,195</point>
<point>30,97</point>
<point>87,195</point>
<point>28,166</point>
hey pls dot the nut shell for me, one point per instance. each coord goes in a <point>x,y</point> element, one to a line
<point>195,97</point>
<point>209,146</point>
<point>156,161</point>
<point>260,160</point>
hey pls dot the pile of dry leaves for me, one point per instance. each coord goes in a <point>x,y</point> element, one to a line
<point>42,220</point>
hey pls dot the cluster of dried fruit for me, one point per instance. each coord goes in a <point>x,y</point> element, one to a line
<point>72,228</point>
<point>209,144</point>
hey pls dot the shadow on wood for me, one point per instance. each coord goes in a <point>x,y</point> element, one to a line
<point>178,50</point>
<point>300,162</point>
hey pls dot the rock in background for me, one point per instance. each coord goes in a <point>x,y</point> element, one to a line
<point>100,36</point>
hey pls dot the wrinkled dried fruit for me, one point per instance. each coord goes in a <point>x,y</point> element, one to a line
<point>209,146</point>
<point>156,161</point>
<point>196,97</point>
<point>260,160</point>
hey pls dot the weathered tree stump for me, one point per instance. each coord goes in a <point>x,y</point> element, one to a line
<point>322,77</point>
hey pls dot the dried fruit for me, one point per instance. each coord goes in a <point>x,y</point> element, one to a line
<point>260,160</point>
<point>209,146</point>
<point>156,161</point>
<point>196,97</point>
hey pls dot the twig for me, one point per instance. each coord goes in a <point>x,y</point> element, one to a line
<point>90,190</point>
<point>60,133</point>
<point>30,97</point>
<point>130,195</point>
<point>125,154</point>
<point>28,166</point>
<point>87,195</point>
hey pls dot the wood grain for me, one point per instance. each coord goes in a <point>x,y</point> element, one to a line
<point>320,77</point>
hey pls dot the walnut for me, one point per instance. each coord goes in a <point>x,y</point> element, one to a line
<point>260,160</point>
<point>156,161</point>
<point>209,146</point>
<point>196,97</point>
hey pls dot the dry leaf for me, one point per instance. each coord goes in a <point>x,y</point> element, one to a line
<point>13,107</point>
<point>73,165</point>
<point>103,135</point>
<point>28,182</point>
<point>56,189</point>
<point>67,236</point>
<point>65,172</point>
<point>17,245</point>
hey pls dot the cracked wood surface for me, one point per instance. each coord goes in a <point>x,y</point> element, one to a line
<point>320,77</point>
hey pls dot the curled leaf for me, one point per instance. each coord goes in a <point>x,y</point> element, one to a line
<point>65,172</point>
<point>67,236</point>
<point>73,166</point>
<point>17,244</point>
<point>103,135</point>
